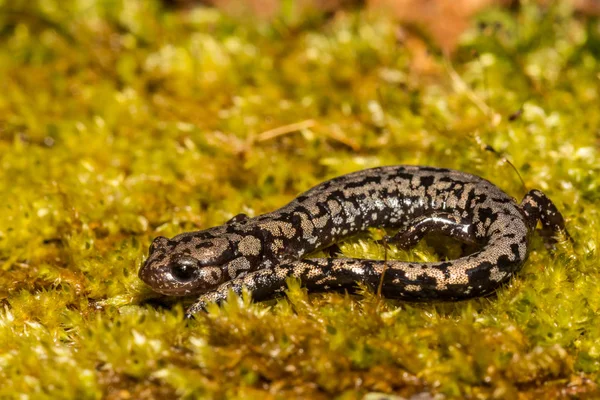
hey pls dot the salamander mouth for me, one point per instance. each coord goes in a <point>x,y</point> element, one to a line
<point>179,292</point>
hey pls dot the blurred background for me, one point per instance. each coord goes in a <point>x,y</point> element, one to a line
<point>443,20</point>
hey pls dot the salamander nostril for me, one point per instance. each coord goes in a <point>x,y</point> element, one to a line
<point>184,269</point>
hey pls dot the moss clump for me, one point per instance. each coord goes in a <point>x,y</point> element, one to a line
<point>121,121</point>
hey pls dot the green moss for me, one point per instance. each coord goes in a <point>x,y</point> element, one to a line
<point>121,121</point>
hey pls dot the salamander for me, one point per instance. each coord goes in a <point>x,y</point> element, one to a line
<point>260,253</point>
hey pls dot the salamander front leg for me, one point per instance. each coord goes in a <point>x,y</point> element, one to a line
<point>261,282</point>
<point>538,207</point>
<point>316,274</point>
<point>444,223</point>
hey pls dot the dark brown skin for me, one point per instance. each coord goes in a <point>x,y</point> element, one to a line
<point>260,253</point>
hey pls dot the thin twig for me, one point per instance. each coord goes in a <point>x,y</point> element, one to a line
<point>462,86</point>
<point>487,147</point>
<point>385,266</point>
<point>285,129</point>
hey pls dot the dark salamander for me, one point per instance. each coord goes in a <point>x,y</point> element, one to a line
<point>260,253</point>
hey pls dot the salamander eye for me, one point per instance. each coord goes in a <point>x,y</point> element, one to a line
<point>184,269</point>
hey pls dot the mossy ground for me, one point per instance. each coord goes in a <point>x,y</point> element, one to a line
<point>121,121</point>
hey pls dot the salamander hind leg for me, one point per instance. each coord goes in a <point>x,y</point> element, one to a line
<point>538,207</point>
<point>438,222</point>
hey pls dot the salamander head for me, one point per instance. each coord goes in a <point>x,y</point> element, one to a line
<point>189,263</point>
